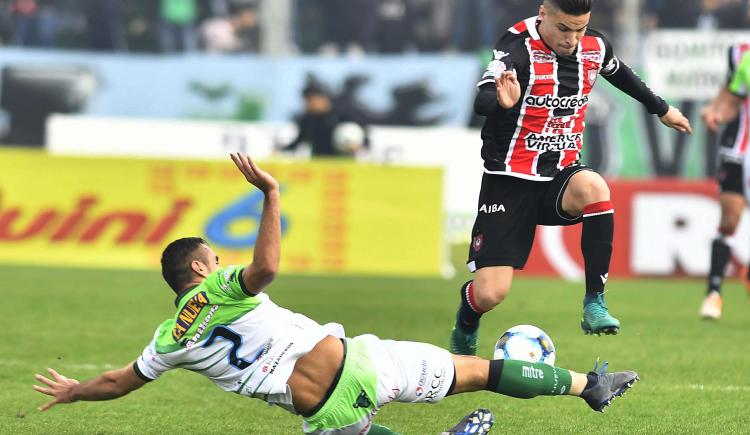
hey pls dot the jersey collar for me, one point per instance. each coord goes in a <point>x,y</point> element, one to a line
<point>182,295</point>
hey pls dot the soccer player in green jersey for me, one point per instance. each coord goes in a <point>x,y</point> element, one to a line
<point>227,329</point>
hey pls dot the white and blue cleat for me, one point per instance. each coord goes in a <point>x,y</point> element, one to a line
<point>478,422</point>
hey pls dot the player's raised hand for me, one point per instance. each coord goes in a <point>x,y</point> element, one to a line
<point>256,176</point>
<point>508,89</point>
<point>58,387</point>
<point>675,119</point>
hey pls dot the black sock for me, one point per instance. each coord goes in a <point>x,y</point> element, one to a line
<point>468,315</point>
<point>720,252</point>
<point>596,244</point>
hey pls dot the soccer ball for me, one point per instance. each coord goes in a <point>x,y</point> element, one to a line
<point>348,138</point>
<point>525,343</point>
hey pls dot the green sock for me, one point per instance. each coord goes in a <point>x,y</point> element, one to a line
<point>525,380</point>
<point>377,429</point>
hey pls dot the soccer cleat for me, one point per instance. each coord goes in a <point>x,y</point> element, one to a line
<point>607,387</point>
<point>463,343</point>
<point>711,307</point>
<point>478,422</point>
<point>596,318</point>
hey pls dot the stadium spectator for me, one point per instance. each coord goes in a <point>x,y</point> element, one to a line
<point>177,21</point>
<point>395,29</point>
<point>317,126</point>
<point>510,10</point>
<point>432,26</point>
<point>224,34</point>
<point>350,26</point>
<point>228,330</point>
<point>35,23</point>
<point>474,14</point>
<point>725,108</point>
<point>532,159</point>
<point>671,14</point>
<point>104,24</point>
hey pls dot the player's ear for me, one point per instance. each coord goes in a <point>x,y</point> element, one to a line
<point>199,268</point>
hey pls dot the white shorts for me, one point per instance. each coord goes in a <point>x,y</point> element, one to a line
<point>400,371</point>
<point>409,371</point>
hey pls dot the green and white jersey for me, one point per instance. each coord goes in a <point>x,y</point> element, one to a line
<point>244,343</point>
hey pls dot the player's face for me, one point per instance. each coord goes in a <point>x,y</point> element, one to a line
<point>561,31</point>
<point>210,259</point>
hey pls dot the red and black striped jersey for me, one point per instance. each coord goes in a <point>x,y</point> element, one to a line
<point>736,136</point>
<point>543,132</point>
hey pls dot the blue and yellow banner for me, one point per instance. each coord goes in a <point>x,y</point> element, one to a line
<point>337,216</point>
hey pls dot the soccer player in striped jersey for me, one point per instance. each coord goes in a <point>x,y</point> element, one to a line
<point>534,95</point>
<point>227,329</point>
<point>734,107</point>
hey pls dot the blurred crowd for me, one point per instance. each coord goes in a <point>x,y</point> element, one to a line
<point>319,26</point>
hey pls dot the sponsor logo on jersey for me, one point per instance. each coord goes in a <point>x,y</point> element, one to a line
<point>591,56</point>
<point>540,77</point>
<point>551,102</point>
<point>187,315</point>
<point>229,274</point>
<point>561,142</point>
<point>559,125</point>
<point>542,57</point>
<point>492,208</point>
<point>532,373</point>
<point>201,328</point>
<point>269,366</point>
<point>476,242</point>
<point>436,385</point>
<point>422,378</point>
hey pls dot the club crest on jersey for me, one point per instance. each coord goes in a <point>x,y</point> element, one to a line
<point>591,75</point>
<point>476,243</point>
<point>187,315</point>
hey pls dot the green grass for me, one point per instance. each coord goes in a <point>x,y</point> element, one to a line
<point>694,374</point>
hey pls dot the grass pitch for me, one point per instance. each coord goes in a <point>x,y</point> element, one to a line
<point>694,374</point>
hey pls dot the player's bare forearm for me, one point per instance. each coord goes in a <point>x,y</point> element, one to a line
<point>726,106</point>
<point>261,272</point>
<point>267,252</point>
<point>108,386</point>
<point>105,387</point>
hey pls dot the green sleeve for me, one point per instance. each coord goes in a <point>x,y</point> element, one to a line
<point>741,78</point>
<point>228,282</point>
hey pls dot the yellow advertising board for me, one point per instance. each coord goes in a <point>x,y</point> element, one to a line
<point>337,217</point>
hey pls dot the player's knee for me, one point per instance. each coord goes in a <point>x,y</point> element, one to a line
<point>728,223</point>
<point>490,295</point>
<point>596,190</point>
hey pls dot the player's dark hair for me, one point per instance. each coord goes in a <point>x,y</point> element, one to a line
<point>571,7</point>
<point>176,259</point>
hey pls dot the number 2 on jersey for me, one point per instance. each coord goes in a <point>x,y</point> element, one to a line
<point>228,334</point>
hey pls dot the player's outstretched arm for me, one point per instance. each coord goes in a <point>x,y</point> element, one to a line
<point>267,252</point>
<point>676,120</point>
<point>108,386</point>
<point>626,80</point>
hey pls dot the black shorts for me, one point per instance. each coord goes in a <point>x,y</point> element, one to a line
<point>509,210</point>
<point>730,177</point>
